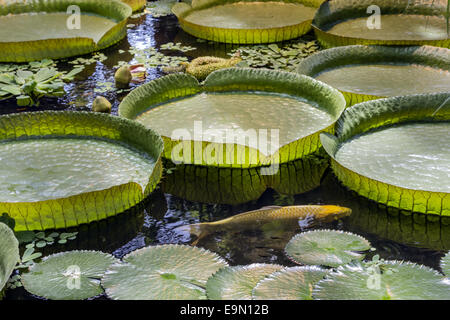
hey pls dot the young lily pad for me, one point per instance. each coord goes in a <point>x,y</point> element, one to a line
<point>71,275</point>
<point>68,168</point>
<point>237,283</point>
<point>366,158</point>
<point>246,21</point>
<point>445,264</point>
<point>9,254</point>
<point>393,280</point>
<point>326,247</point>
<point>289,284</point>
<point>165,272</point>
<point>59,29</point>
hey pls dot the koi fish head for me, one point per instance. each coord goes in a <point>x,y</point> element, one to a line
<point>330,213</point>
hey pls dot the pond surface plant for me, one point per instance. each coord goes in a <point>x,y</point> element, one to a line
<point>45,29</point>
<point>242,96</point>
<point>73,275</point>
<point>165,272</point>
<point>9,254</point>
<point>366,157</point>
<point>42,195</point>
<point>193,194</point>
<point>346,22</point>
<point>364,73</point>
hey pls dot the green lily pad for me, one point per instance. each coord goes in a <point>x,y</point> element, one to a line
<point>165,272</point>
<point>289,284</point>
<point>249,21</point>
<point>370,72</point>
<point>68,168</point>
<point>393,280</point>
<point>326,247</point>
<point>72,275</point>
<point>382,22</point>
<point>59,29</point>
<point>445,264</point>
<point>237,283</point>
<point>221,122</point>
<point>366,158</point>
<point>9,254</point>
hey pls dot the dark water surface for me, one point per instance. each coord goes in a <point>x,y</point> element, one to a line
<point>395,235</point>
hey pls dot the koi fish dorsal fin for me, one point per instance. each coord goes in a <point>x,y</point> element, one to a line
<point>270,208</point>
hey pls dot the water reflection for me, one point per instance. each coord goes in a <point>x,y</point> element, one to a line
<point>234,186</point>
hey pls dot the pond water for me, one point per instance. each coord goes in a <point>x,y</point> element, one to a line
<point>396,235</point>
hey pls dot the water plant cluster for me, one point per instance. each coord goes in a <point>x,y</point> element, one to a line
<point>383,88</point>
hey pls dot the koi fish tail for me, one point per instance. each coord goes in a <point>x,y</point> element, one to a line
<point>198,230</point>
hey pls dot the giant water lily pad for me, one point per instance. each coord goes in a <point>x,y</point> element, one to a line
<point>51,29</point>
<point>289,284</point>
<point>238,118</point>
<point>237,283</point>
<point>367,159</point>
<point>9,254</point>
<point>326,247</point>
<point>369,72</point>
<point>391,280</point>
<point>234,21</point>
<point>166,272</point>
<point>72,275</point>
<point>62,169</point>
<point>383,22</point>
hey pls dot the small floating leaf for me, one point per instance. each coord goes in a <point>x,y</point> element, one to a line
<point>326,247</point>
<point>289,284</point>
<point>9,253</point>
<point>445,264</point>
<point>406,281</point>
<point>72,275</point>
<point>165,272</point>
<point>237,283</point>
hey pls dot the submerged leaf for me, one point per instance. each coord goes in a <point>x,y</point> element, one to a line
<point>165,272</point>
<point>326,247</point>
<point>72,275</point>
<point>237,283</point>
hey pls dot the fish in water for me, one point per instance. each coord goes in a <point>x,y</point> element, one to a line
<point>267,217</point>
